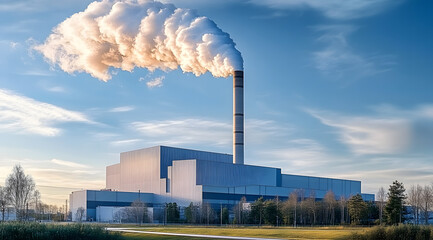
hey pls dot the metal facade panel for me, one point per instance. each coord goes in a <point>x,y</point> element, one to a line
<point>183,188</point>
<point>105,196</point>
<point>112,177</point>
<point>253,190</point>
<point>232,175</point>
<point>215,189</point>
<point>132,196</point>
<point>314,183</point>
<point>169,154</point>
<point>91,195</point>
<point>367,197</point>
<point>77,199</point>
<point>140,170</point>
<point>323,184</point>
<point>295,181</point>
<point>277,191</point>
<point>240,190</point>
<point>337,187</point>
<point>355,187</point>
<point>347,187</point>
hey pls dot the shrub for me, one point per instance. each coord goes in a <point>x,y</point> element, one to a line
<point>401,232</point>
<point>39,231</point>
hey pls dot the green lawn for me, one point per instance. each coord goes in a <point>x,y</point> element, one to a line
<point>140,236</point>
<point>264,232</point>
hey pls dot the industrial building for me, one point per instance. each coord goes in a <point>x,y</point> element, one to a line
<point>161,174</point>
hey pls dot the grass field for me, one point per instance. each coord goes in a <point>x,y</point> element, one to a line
<point>337,233</point>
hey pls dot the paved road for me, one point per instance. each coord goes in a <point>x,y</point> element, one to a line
<point>131,230</point>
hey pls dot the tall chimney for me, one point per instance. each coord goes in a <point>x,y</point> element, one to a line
<point>238,117</point>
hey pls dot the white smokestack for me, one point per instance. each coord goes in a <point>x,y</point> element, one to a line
<point>238,117</point>
<point>140,33</point>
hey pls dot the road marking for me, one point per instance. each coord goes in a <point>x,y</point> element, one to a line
<point>130,230</point>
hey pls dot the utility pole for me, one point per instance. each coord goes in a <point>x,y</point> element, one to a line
<point>221,214</point>
<point>277,209</point>
<point>165,214</point>
<point>66,213</point>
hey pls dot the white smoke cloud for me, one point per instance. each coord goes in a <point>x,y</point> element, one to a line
<point>127,34</point>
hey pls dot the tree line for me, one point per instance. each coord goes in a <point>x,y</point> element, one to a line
<point>20,195</point>
<point>420,200</point>
<point>299,209</point>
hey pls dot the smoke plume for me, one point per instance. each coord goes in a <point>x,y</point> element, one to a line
<point>127,34</point>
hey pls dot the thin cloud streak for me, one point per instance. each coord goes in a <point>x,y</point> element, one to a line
<point>122,109</point>
<point>69,164</point>
<point>340,61</point>
<point>197,131</point>
<point>298,155</point>
<point>125,142</point>
<point>56,89</point>
<point>387,131</point>
<point>21,114</point>
<point>335,9</point>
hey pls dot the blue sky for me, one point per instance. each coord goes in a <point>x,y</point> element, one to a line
<point>332,88</point>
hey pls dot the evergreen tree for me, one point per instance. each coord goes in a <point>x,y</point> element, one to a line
<point>270,212</point>
<point>190,212</point>
<point>172,212</point>
<point>394,208</point>
<point>257,211</point>
<point>225,215</point>
<point>357,209</point>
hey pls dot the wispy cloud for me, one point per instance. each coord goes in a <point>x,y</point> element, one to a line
<point>68,163</point>
<point>56,89</point>
<point>36,72</point>
<point>340,61</point>
<point>301,155</point>
<point>198,132</point>
<point>388,130</point>
<point>25,115</point>
<point>125,142</point>
<point>12,6</point>
<point>38,5</point>
<point>122,109</point>
<point>406,172</point>
<point>156,82</point>
<point>185,131</point>
<point>335,9</point>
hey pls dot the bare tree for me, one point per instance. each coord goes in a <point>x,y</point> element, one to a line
<point>343,206</point>
<point>19,188</point>
<point>426,202</point>
<point>138,211</point>
<point>293,202</point>
<point>238,209</point>
<point>301,195</point>
<point>330,203</point>
<point>37,201</point>
<point>381,199</point>
<point>3,202</point>
<point>79,215</point>
<point>120,215</point>
<point>312,206</point>
<point>414,199</point>
<point>207,213</point>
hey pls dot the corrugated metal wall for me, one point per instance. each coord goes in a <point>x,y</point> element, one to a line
<point>230,175</point>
